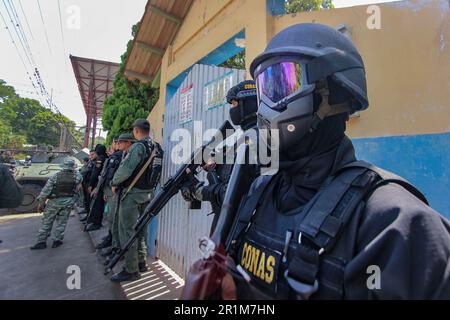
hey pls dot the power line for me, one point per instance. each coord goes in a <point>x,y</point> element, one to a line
<point>29,55</point>
<point>26,19</point>
<point>61,27</point>
<point>18,52</point>
<point>17,33</point>
<point>45,29</point>
<point>18,25</point>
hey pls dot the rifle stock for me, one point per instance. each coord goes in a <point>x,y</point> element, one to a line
<point>168,190</point>
<point>205,276</point>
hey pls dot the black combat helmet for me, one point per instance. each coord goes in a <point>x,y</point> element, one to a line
<point>244,114</point>
<point>299,62</point>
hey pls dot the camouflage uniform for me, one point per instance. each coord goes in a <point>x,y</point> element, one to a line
<point>56,209</point>
<point>131,207</point>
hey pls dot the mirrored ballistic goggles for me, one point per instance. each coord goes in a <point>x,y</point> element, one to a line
<point>280,80</point>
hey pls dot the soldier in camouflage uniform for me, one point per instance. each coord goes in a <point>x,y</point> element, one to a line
<point>80,196</point>
<point>134,202</point>
<point>107,174</point>
<point>58,196</point>
<point>125,141</point>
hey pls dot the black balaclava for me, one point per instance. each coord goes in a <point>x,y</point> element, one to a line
<point>244,115</point>
<point>100,150</point>
<point>303,172</point>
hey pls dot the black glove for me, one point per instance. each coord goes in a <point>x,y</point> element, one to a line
<point>189,187</point>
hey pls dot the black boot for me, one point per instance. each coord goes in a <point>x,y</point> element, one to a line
<point>143,267</point>
<point>56,243</point>
<point>125,276</point>
<point>84,219</point>
<point>107,242</point>
<point>39,246</point>
<point>108,251</point>
<point>110,257</point>
<point>92,227</point>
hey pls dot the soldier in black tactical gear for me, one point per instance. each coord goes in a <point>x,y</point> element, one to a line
<point>109,168</point>
<point>11,193</point>
<point>95,216</point>
<point>242,98</point>
<point>86,172</point>
<point>326,224</point>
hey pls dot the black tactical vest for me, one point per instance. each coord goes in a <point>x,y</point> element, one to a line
<point>150,178</point>
<point>65,185</point>
<point>112,165</point>
<point>290,255</point>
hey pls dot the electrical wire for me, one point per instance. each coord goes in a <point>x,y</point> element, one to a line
<point>17,33</point>
<point>45,28</point>
<point>18,53</point>
<point>41,91</point>
<point>26,19</point>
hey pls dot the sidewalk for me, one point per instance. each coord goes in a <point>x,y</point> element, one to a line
<point>42,274</point>
<point>158,283</point>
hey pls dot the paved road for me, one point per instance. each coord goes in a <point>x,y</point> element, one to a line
<point>41,274</point>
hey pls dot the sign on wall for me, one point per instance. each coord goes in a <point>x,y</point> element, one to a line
<point>186,104</point>
<point>215,92</point>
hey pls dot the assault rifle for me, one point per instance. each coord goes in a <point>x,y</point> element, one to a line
<point>96,192</point>
<point>205,276</point>
<point>170,189</point>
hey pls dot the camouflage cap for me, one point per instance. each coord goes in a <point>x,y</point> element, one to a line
<point>126,137</point>
<point>68,163</point>
<point>142,124</point>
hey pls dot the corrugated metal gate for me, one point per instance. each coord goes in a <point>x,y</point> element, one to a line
<point>179,228</point>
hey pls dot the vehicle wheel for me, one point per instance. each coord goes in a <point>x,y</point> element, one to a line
<point>29,202</point>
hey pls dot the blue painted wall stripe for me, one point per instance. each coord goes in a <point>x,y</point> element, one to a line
<point>422,159</point>
<point>219,55</point>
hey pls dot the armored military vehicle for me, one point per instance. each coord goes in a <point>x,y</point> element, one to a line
<point>34,173</point>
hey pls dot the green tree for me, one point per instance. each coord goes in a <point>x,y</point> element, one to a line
<point>45,128</point>
<point>235,62</point>
<point>129,101</point>
<point>6,91</point>
<point>8,139</point>
<point>293,6</point>
<point>19,112</point>
<point>24,120</point>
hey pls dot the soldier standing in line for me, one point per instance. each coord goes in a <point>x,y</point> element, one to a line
<point>86,171</point>
<point>137,193</point>
<point>95,216</point>
<point>125,141</point>
<point>58,198</point>
<point>108,171</point>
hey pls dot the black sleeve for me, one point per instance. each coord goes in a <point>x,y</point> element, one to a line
<point>96,170</point>
<point>408,241</point>
<point>11,194</point>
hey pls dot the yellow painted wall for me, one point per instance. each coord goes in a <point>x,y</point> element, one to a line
<point>407,65</point>
<point>407,60</point>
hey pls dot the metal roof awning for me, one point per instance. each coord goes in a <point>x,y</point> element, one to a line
<point>95,83</point>
<point>158,27</point>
